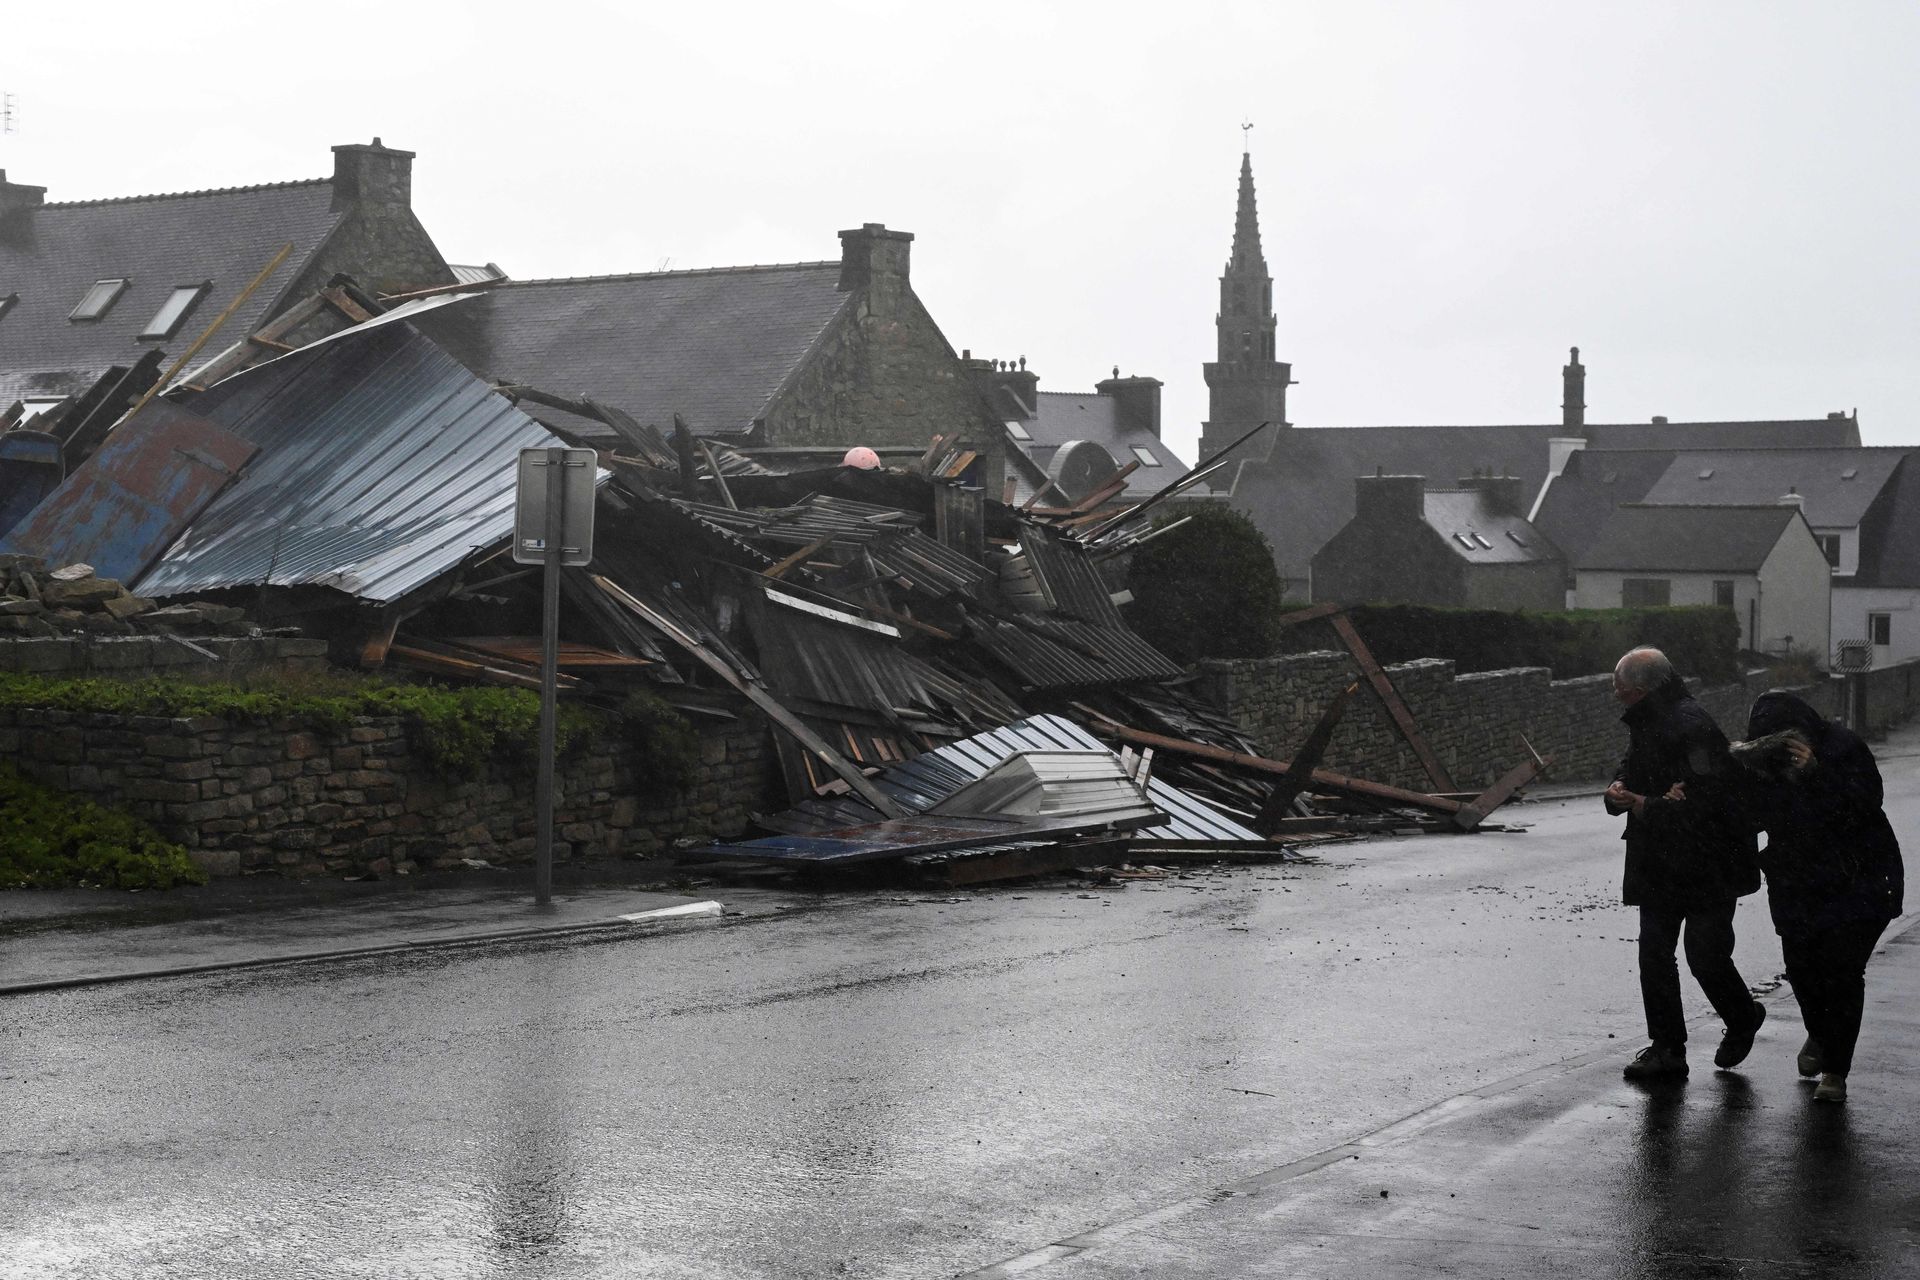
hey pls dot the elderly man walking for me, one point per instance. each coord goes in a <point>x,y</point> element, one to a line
<point>1690,858</point>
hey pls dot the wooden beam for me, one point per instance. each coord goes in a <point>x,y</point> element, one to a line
<point>340,301</point>
<point>1473,814</point>
<point>1305,761</point>
<point>1312,613</point>
<point>1322,778</point>
<point>755,694</point>
<point>1390,699</point>
<point>207,333</point>
<point>720,481</point>
<point>780,568</point>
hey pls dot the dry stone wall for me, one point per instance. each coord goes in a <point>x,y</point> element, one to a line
<point>1473,722</point>
<point>288,798</point>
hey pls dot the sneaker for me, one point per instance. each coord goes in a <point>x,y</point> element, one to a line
<point>1737,1044</point>
<point>1657,1061</point>
<point>1809,1060</point>
<point>1832,1088</point>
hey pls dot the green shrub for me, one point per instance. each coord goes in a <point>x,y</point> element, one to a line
<point>49,839</point>
<point>1701,640</point>
<point>1207,589</point>
<point>667,746</point>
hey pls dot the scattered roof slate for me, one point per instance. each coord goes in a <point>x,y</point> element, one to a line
<point>51,254</point>
<point>1676,539</point>
<point>714,346</point>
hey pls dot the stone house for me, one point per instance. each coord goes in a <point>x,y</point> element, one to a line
<point>793,364</point>
<point>1762,562</point>
<point>1466,547</point>
<point>1066,444</point>
<point>89,286</point>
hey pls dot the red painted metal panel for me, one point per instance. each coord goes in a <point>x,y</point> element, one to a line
<point>130,500</point>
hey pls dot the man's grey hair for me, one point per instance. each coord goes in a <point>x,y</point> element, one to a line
<point>1644,669</point>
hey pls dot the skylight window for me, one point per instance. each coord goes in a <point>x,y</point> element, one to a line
<point>1017,431</point>
<point>1146,456</point>
<point>1484,544</point>
<point>1518,541</point>
<point>178,306</point>
<point>1707,474</point>
<point>1848,474</point>
<point>99,299</point>
<point>1465,541</point>
<point>6,303</point>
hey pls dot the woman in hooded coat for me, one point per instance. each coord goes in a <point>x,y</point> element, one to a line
<point>1834,875</point>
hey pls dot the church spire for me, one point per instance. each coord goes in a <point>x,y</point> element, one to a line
<point>1246,382</point>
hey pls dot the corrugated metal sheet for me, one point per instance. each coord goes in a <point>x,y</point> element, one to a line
<point>1048,652</point>
<point>1070,579</point>
<point>924,781</point>
<point>130,500</point>
<point>383,463</point>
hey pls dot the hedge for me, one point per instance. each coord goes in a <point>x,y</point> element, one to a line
<point>1701,640</point>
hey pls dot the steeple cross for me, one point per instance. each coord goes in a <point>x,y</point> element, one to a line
<point>1246,144</point>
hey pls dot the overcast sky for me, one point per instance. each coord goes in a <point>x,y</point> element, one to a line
<point>1717,202</point>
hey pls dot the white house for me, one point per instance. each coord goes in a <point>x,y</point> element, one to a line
<point>1763,562</point>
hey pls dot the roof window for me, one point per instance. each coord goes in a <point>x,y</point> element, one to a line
<point>1518,541</point>
<point>1465,541</point>
<point>1017,431</point>
<point>178,306</point>
<point>6,303</point>
<point>1146,456</point>
<point>1482,540</point>
<point>1707,473</point>
<point>99,299</point>
<point>1848,474</point>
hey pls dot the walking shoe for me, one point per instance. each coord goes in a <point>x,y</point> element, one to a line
<point>1657,1061</point>
<point>1809,1060</point>
<point>1832,1088</point>
<point>1737,1044</point>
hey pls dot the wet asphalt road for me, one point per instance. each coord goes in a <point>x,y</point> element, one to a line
<point>887,1085</point>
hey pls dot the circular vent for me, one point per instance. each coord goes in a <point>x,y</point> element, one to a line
<point>1080,467</point>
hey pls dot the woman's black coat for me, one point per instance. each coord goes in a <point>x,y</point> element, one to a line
<point>1831,856</point>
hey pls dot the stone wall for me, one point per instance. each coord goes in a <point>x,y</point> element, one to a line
<point>302,802</point>
<point>1473,722</point>
<point>130,657</point>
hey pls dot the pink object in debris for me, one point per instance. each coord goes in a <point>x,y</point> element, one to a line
<point>862,457</point>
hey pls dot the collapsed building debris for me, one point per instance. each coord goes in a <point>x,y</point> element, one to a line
<point>951,682</point>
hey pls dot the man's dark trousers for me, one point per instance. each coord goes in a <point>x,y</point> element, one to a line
<point>1709,939</point>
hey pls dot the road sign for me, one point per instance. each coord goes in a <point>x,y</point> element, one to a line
<point>577,468</point>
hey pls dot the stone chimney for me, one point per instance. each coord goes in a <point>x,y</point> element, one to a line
<point>1505,494</point>
<point>875,260</point>
<point>15,196</point>
<point>375,174</point>
<point>1384,499</point>
<point>1573,396</point>
<point>1006,385</point>
<point>1136,401</point>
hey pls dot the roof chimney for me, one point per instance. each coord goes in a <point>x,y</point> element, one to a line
<point>1573,397</point>
<point>17,195</point>
<point>375,174</point>
<point>1503,493</point>
<point>1136,401</point>
<point>875,260</point>
<point>1389,499</point>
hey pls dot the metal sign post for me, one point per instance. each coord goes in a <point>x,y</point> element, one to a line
<point>552,526</point>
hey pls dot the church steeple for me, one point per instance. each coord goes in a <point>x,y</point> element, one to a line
<point>1246,383</point>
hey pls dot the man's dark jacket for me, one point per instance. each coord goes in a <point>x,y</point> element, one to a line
<point>1692,852</point>
<point>1831,857</point>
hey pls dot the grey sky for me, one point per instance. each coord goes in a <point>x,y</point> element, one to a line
<point>1717,202</point>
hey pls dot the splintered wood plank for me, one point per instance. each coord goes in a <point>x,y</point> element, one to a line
<point>1390,698</point>
<point>1472,815</point>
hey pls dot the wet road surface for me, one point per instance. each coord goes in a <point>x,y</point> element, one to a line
<point>887,1085</point>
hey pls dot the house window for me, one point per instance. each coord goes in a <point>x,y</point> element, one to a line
<point>1017,431</point>
<point>1723,592</point>
<point>99,299</point>
<point>1830,548</point>
<point>1880,628</point>
<point>1145,455</point>
<point>1645,593</point>
<point>179,304</point>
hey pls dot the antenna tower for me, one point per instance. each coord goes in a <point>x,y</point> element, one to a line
<point>7,103</point>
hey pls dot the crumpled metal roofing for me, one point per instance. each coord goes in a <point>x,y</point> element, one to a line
<point>1049,652</point>
<point>383,463</point>
<point>919,784</point>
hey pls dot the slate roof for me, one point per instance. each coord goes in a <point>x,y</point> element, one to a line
<point>1581,499</point>
<point>1301,493</point>
<point>1836,485</point>
<point>1890,543</point>
<point>714,346</point>
<point>1062,417</point>
<point>1502,538</point>
<point>1711,539</point>
<point>51,254</point>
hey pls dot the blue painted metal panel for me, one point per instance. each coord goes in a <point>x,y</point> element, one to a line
<point>131,499</point>
<point>31,467</point>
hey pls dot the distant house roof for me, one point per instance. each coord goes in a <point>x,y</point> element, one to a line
<point>1476,531</point>
<point>1062,417</point>
<point>1301,493</point>
<point>1836,486</point>
<point>1890,542</point>
<point>713,346</point>
<point>1580,500</point>
<point>51,255</point>
<point>1716,539</point>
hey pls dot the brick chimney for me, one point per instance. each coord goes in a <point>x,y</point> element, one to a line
<point>1384,499</point>
<point>1505,494</point>
<point>1573,398</point>
<point>875,260</point>
<point>1136,401</point>
<point>375,174</point>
